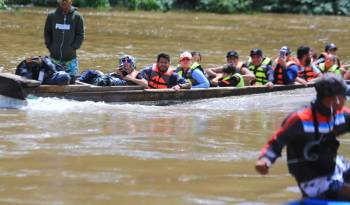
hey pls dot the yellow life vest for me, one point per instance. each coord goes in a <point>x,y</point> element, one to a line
<point>334,69</point>
<point>260,71</point>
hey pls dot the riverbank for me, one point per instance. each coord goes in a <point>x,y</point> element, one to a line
<point>145,34</point>
<point>328,7</point>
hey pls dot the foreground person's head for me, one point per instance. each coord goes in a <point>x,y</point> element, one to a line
<point>331,91</point>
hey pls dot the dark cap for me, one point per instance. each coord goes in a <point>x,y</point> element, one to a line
<point>256,51</point>
<point>331,85</point>
<point>330,46</point>
<point>232,54</point>
<point>286,49</point>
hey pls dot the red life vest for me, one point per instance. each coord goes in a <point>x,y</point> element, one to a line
<point>158,79</point>
<point>280,73</point>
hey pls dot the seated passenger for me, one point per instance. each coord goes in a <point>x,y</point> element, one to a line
<point>261,67</point>
<point>284,71</point>
<point>330,65</point>
<point>125,74</point>
<point>44,70</point>
<point>330,48</point>
<point>231,78</point>
<point>232,58</point>
<point>313,55</point>
<point>196,57</point>
<point>307,72</point>
<point>193,73</point>
<point>161,76</point>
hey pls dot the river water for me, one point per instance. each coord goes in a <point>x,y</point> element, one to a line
<point>56,151</point>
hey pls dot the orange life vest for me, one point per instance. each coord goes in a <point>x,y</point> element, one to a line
<point>158,79</point>
<point>280,73</point>
<point>305,72</point>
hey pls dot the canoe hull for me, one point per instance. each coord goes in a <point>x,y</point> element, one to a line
<point>18,87</point>
<point>148,95</point>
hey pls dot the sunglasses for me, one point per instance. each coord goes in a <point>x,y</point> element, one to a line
<point>124,60</point>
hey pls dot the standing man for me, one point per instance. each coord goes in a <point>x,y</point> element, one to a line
<point>310,136</point>
<point>64,34</point>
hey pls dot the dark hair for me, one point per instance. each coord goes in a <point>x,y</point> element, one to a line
<point>256,51</point>
<point>302,51</point>
<point>229,69</point>
<point>163,55</point>
<point>330,85</point>
<point>197,53</point>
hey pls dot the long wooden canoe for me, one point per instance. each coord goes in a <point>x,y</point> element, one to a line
<point>136,93</point>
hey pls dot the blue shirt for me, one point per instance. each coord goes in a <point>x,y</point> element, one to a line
<point>199,76</point>
<point>292,73</point>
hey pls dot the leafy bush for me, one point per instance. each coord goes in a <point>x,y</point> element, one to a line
<point>224,6</point>
<point>337,7</point>
<point>2,4</point>
<point>92,3</point>
<point>341,7</point>
<point>149,5</point>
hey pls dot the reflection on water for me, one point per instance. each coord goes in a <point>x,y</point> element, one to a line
<point>56,151</point>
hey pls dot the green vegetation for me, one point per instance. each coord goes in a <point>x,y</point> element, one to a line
<point>335,7</point>
<point>2,5</point>
<point>92,3</point>
<point>340,7</point>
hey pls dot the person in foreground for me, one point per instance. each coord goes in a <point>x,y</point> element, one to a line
<point>310,136</point>
<point>161,76</point>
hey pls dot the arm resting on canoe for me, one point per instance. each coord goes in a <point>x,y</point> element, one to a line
<point>139,81</point>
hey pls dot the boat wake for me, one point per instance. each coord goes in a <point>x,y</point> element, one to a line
<point>11,103</point>
<point>285,101</point>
